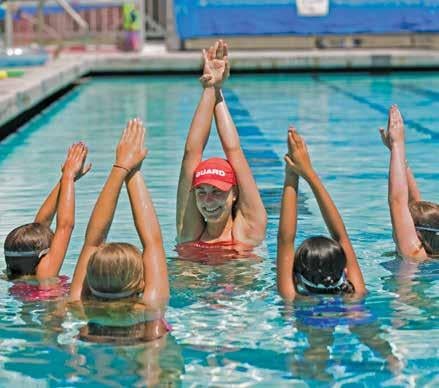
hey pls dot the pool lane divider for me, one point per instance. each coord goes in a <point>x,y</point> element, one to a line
<point>377,107</point>
<point>265,163</point>
<point>259,157</point>
<point>431,94</point>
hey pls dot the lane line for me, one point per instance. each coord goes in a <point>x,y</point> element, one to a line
<point>377,107</point>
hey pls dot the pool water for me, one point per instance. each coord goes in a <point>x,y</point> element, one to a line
<point>229,325</point>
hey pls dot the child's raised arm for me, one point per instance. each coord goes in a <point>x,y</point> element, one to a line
<point>287,232</point>
<point>48,209</point>
<point>62,202</point>
<point>128,156</point>
<point>406,238</point>
<point>300,162</point>
<point>156,290</point>
<point>414,193</point>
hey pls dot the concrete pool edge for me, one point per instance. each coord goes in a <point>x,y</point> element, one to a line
<point>21,95</point>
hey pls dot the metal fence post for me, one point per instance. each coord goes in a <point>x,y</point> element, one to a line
<point>142,23</point>
<point>9,26</point>
<point>173,42</point>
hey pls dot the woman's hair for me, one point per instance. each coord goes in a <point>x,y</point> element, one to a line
<point>426,215</point>
<point>235,190</point>
<point>321,261</point>
<point>32,238</point>
<point>115,268</point>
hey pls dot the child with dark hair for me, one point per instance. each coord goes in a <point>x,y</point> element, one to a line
<point>34,249</point>
<point>415,222</point>
<point>320,265</point>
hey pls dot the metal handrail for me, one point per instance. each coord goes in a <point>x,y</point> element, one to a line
<point>62,3</point>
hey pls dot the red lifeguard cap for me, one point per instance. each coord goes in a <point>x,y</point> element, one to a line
<point>217,172</point>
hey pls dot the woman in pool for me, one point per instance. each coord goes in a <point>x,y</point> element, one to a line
<point>320,265</point>
<point>415,222</point>
<point>119,272</point>
<point>218,202</point>
<point>33,249</point>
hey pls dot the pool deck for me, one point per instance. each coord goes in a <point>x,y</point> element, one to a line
<point>19,95</point>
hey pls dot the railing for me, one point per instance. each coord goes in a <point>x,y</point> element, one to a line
<point>155,19</point>
<point>45,22</point>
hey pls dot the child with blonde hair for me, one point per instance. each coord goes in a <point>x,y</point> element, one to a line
<point>119,272</point>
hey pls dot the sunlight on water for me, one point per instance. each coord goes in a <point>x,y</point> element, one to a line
<point>229,325</point>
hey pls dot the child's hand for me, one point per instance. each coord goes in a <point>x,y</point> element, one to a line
<point>297,158</point>
<point>74,164</point>
<point>395,128</point>
<point>131,150</point>
<point>385,137</point>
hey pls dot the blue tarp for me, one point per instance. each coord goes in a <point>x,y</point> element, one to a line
<point>52,9</point>
<point>204,18</point>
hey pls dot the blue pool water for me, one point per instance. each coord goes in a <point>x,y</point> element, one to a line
<point>229,325</point>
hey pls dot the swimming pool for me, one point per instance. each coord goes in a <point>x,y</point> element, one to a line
<point>229,326</point>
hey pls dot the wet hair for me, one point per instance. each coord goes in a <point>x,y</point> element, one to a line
<point>426,215</point>
<point>235,190</point>
<point>321,261</point>
<point>32,238</point>
<point>115,268</point>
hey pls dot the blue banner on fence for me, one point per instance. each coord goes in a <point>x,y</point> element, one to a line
<point>205,18</point>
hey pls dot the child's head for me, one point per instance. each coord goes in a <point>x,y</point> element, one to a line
<point>319,265</point>
<point>115,271</point>
<point>426,218</point>
<point>24,247</point>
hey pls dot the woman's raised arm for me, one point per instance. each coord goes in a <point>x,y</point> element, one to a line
<point>251,218</point>
<point>189,222</point>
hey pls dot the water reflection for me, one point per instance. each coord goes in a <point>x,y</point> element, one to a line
<point>155,363</point>
<point>416,305</point>
<point>192,282</point>
<point>39,343</point>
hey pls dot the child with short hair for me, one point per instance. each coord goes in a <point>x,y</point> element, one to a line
<point>321,265</point>
<point>34,249</point>
<point>415,222</point>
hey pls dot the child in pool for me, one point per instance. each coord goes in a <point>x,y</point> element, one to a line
<point>34,249</point>
<point>320,264</point>
<point>415,222</point>
<point>119,272</point>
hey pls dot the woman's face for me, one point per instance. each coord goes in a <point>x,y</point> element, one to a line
<point>213,203</point>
